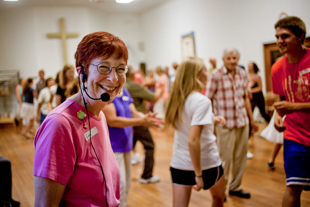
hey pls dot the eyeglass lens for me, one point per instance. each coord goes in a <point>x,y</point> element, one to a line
<point>106,69</point>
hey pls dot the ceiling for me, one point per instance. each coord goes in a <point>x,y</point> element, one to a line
<point>137,6</point>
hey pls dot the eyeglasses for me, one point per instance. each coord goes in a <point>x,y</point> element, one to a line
<point>105,69</point>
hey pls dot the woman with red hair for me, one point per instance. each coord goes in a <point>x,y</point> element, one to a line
<point>74,164</point>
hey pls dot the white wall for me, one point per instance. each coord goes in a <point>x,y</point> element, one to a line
<point>128,28</point>
<point>243,24</point>
<point>49,54</point>
<point>24,45</point>
<point>17,40</point>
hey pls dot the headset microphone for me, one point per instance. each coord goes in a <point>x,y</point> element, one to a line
<point>104,97</point>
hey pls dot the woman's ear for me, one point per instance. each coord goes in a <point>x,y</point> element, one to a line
<point>81,71</point>
<point>79,68</point>
<point>198,74</point>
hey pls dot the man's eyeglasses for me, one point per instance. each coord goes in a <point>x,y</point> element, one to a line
<point>105,69</point>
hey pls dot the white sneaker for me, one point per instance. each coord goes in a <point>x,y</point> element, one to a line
<point>249,155</point>
<point>153,179</point>
<point>135,158</point>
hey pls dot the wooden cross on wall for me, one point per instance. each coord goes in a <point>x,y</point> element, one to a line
<point>63,35</point>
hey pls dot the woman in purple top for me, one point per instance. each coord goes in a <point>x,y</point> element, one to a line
<point>121,116</point>
<point>124,135</point>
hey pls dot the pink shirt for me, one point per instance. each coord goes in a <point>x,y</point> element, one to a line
<point>138,78</point>
<point>292,81</point>
<point>163,83</point>
<point>64,155</point>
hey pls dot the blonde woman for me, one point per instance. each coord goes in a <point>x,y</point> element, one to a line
<point>65,81</point>
<point>195,162</point>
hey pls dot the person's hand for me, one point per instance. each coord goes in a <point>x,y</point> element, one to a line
<point>278,123</point>
<point>150,120</point>
<point>254,127</point>
<point>199,184</point>
<point>220,120</point>
<point>152,114</point>
<point>284,107</point>
<point>250,95</point>
<point>38,118</point>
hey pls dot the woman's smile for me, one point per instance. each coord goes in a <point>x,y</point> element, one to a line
<point>108,88</point>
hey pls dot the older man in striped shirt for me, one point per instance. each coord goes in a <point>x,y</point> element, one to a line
<point>227,88</point>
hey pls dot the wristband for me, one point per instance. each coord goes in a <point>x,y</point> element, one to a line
<point>198,176</point>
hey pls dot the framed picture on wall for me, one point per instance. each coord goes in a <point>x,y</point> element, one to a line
<point>188,45</point>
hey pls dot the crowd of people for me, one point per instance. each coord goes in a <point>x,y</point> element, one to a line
<point>90,124</point>
<point>36,101</point>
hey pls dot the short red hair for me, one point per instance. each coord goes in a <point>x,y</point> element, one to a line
<point>99,44</point>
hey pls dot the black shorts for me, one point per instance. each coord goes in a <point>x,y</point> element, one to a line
<point>186,177</point>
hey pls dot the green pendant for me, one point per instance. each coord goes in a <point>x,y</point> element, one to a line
<point>81,115</point>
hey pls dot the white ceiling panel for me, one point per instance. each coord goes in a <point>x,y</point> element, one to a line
<point>137,6</point>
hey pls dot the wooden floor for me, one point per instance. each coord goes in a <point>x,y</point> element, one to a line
<point>266,186</point>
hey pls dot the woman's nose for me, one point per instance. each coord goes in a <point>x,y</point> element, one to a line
<point>113,77</point>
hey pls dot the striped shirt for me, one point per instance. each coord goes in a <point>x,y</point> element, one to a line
<point>228,96</point>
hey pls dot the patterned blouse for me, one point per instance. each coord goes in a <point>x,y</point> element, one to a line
<point>228,96</point>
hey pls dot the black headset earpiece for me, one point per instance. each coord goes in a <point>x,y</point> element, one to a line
<point>84,76</point>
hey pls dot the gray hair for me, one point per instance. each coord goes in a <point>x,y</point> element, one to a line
<point>229,50</point>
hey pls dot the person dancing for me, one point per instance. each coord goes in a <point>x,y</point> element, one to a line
<point>195,162</point>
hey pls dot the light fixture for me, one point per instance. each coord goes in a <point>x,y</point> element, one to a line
<point>123,1</point>
<point>10,0</point>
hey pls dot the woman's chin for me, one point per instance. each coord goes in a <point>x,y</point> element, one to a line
<point>112,95</point>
